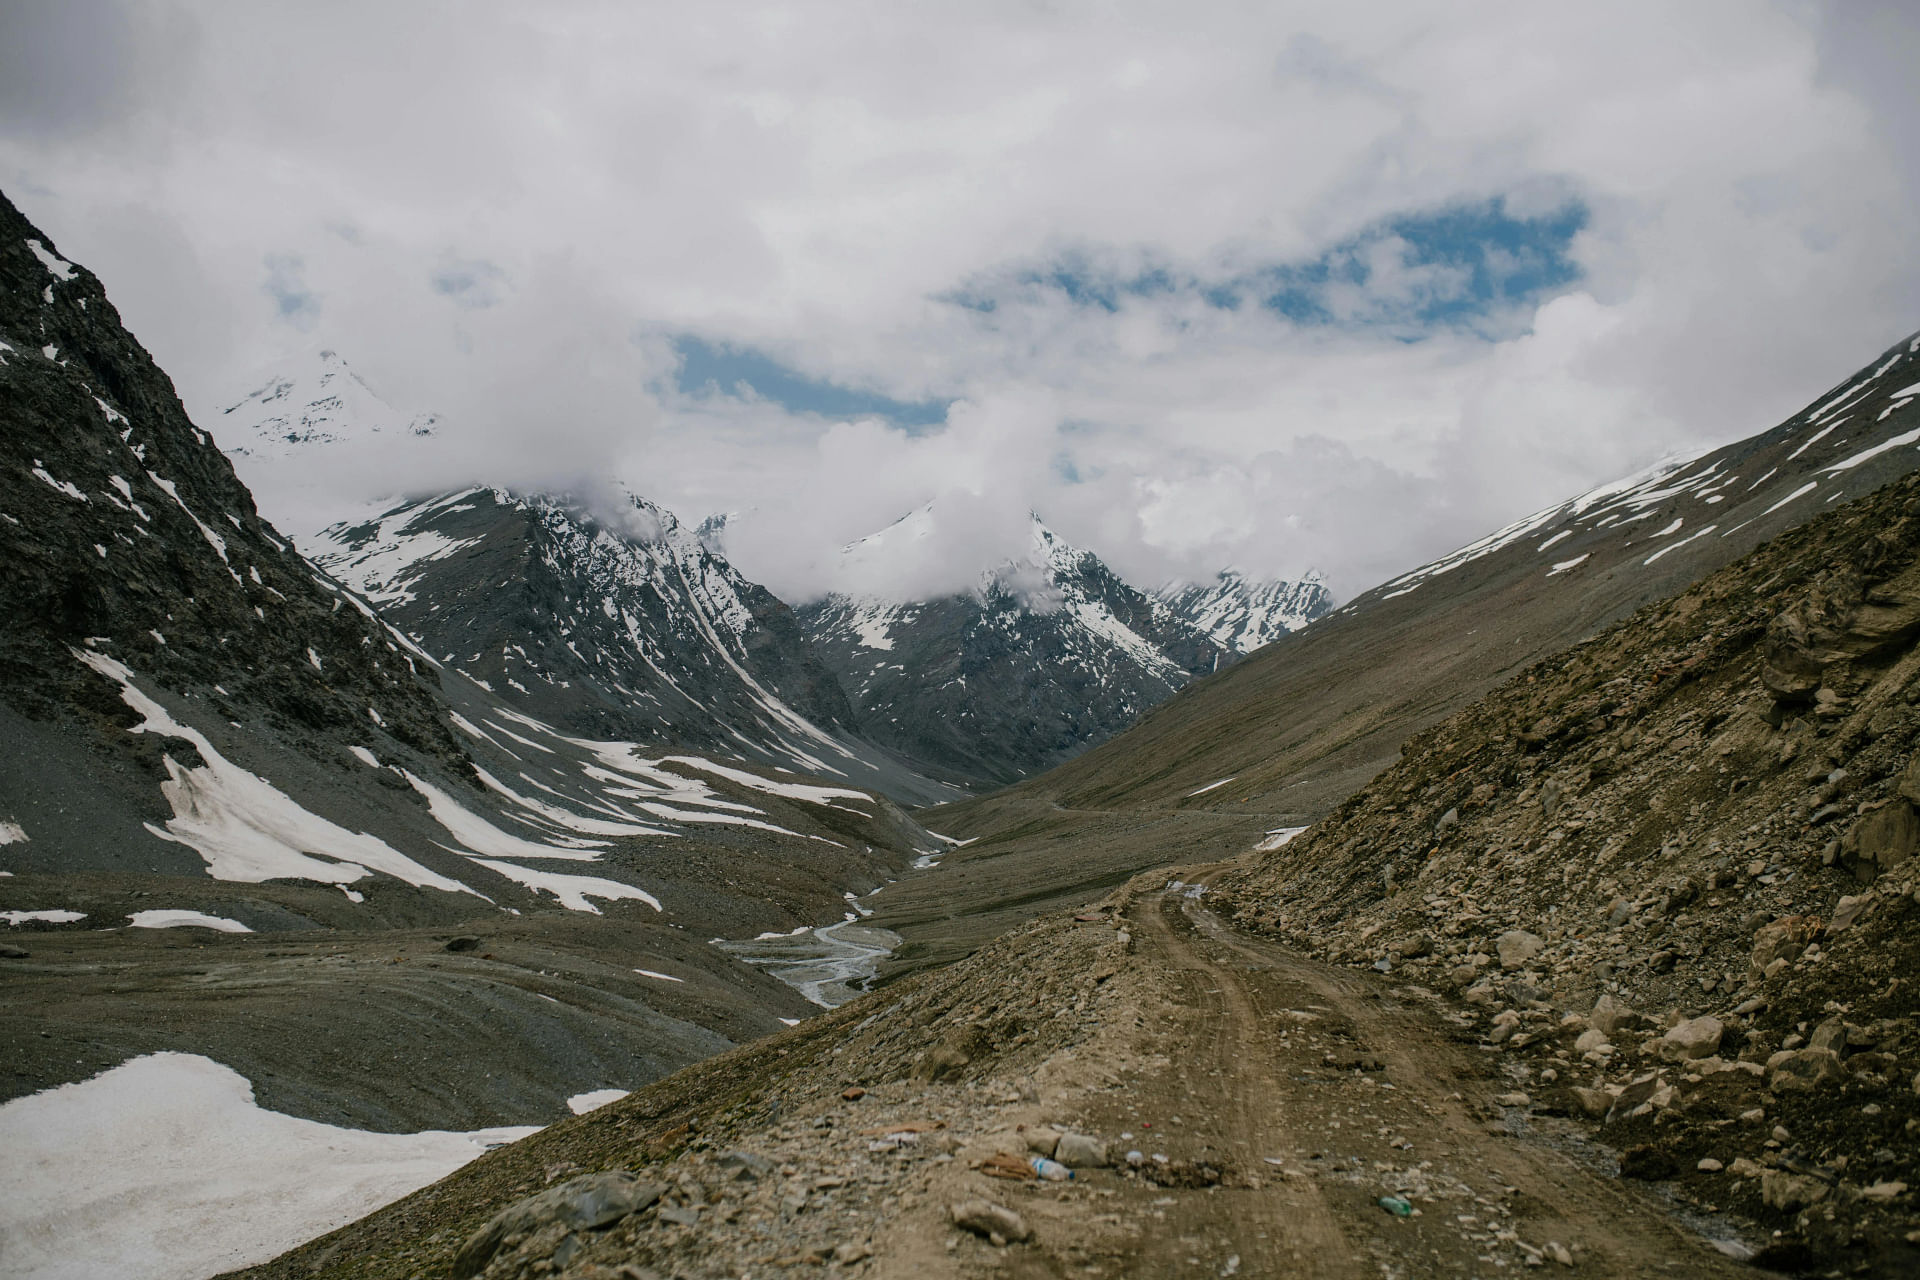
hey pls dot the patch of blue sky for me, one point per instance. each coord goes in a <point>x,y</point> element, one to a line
<point>1468,266</point>
<point>707,368</point>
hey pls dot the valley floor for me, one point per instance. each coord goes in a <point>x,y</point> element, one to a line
<point>1273,1102</point>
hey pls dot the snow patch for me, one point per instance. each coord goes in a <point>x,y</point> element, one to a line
<point>165,1168</point>
<point>49,917</point>
<point>62,269</point>
<point>179,919</point>
<point>581,1103</point>
<point>245,828</point>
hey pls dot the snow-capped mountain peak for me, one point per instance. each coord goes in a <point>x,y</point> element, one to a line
<point>315,399</point>
<point>1242,614</point>
<point>1037,655</point>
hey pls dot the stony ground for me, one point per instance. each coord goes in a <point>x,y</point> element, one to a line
<point>1231,1109</point>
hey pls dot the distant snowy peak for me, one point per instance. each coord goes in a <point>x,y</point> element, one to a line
<point>1243,615</point>
<point>1041,653</point>
<point>315,400</point>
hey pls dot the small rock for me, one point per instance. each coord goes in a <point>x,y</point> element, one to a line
<point>1607,1015</point>
<point>1079,1151</point>
<point>848,1254</point>
<point>1695,1038</point>
<point>1514,1100</point>
<point>984,1218</point>
<point>1789,1191</point>
<point>1517,946</point>
<point>1804,1069</point>
<point>1591,1039</point>
<point>1709,1165</point>
<point>852,1095</point>
<point>1559,1253</point>
<point>681,1215</point>
<point>1848,910</point>
<point>1043,1142</point>
<point>1594,1102</point>
<point>1830,1035</point>
<point>1882,1192</point>
<point>1618,912</point>
<point>748,1164</point>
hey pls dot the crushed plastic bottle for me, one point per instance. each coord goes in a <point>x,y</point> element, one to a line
<point>1398,1206</point>
<point>1051,1170</point>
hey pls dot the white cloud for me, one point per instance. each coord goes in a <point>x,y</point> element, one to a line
<point>505,214</point>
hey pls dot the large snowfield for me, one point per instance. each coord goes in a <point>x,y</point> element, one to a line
<point>165,1169</point>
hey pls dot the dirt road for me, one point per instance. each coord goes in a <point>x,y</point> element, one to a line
<point>1325,1091</point>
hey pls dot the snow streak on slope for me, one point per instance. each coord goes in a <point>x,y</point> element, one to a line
<point>1241,615</point>
<point>243,826</point>
<point>1683,499</point>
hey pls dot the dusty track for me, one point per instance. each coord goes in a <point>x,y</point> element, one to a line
<point>1267,1046</point>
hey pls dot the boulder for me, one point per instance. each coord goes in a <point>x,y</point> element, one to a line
<point>997,1223</point>
<point>1517,946</point>
<point>1607,1016</point>
<point>1694,1038</point>
<point>1043,1142</point>
<point>1781,940</point>
<point>1830,1035</point>
<point>581,1204</point>
<point>1804,1069</point>
<point>1080,1151</point>
<point>1790,1191</point>
<point>1881,841</point>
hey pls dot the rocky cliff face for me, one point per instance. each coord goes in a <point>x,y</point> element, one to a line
<point>1671,873</point>
<point>1047,655</point>
<point>126,533</point>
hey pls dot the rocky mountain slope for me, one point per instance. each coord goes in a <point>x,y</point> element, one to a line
<point>612,624</point>
<point>1049,653</point>
<point>1242,615</point>
<point>199,722</point>
<point>1671,874</point>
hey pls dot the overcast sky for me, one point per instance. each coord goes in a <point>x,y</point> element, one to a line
<point>1277,285</point>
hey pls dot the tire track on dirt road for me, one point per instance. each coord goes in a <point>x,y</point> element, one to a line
<point>1347,1088</point>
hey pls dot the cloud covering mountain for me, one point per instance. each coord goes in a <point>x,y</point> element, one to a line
<point>1207,293</point>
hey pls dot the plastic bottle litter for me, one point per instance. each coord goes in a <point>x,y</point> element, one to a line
<point>1051,1170</point>
<point>1398,1206</point>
